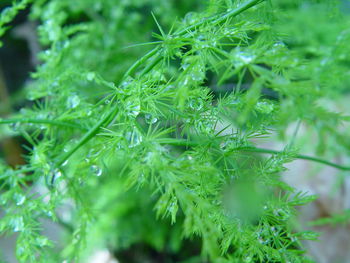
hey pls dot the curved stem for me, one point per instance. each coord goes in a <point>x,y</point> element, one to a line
<point>133,68</point>
<point>299,156</point>
<point>39,121</point>
<point>216,19</point>
<point>185,143</point>
<point>91,133</point>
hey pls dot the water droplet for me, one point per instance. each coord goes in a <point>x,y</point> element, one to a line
<point>196,104</point>
<point>126,82</point>
<point>203,42</point>
<point>96,170</point>
<point>90,76</point>
<point>197,75</point>
<point>133,108</point>
<point>19,199</point>
<point>191,18</point>
<point>54,175</point>
<point>73,101</point>
<point>243,58</point>
<point>42,241</point>
<point>279,44</point>
<point>15,126</point>
<point>65,163</point>
<point>282,214</point>
<point>150,119</point>
<point>17,224</point>
<point>264,107</point>
<point>107,101</point>
<point>185,66</point>
<point>134,138</point>
<point>248,259</point>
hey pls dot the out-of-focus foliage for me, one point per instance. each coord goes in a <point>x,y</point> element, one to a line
<point>158,152</point>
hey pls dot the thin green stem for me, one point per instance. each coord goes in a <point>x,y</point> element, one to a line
<point>220,18</point>
<point>299,156</point>
<point>185,143</point>
<point>40,121</point>
<point>91,133</point>
<point>141,61</point>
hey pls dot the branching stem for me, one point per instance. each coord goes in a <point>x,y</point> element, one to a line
<point>185,143</point>
<point>154,52</point>
<point>299,156</point>
<point>40,121</point>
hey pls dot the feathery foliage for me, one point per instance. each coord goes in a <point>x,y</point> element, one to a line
<point>139,138</point>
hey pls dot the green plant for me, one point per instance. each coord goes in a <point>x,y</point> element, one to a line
<point>162,151</point>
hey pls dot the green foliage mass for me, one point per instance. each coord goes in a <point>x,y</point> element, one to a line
<point>140,138</point>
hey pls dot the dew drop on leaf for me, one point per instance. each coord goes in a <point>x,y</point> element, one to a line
<point>196,104</point>
<point>134,138</point>
<point>73,101</point>
<point>185,66</point>
<point>150,119</point>
<point>90,76</point>
<point>96,170</point>
<point>264,107</point>
<point>54,175</point>
<point>133,108</point>
<point>15,126</point>
<point>42,241</point>
<point>197,75</point>
<point>191,18</point>
<point>19,199</point>
<point>17,224</point>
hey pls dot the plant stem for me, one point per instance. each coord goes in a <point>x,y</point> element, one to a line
<point>216,19</point>
<point>39,121</point>
<point>185,143</point>
<point>133,68</point>
<point>299,156</point>
<point>91,133</point>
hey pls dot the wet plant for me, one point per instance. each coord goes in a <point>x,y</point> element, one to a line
<point>137,139</point>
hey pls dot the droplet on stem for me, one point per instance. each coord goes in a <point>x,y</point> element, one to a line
<point>150,119</point>
<point>96,170</point>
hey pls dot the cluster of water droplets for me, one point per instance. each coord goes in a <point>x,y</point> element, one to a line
<point>51,29</point>
<point>243,58</point>
<point>263,235</point>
